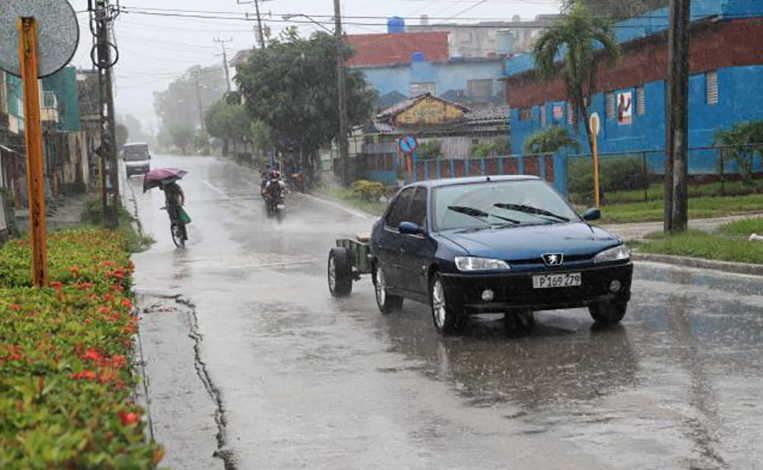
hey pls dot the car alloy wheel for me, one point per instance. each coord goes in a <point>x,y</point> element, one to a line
<point>444,316</point>
<point>387,302</point>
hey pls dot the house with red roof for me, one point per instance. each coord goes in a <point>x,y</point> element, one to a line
<point>400,65</point>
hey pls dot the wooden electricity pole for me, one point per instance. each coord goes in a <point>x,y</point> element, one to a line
<point>342,97</point>
<point>677,140</point>
<point>33,136</point>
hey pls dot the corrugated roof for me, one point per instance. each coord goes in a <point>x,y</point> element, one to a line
<point>374,50</point>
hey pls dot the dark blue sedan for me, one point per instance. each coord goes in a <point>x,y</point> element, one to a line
<point>504,244</point>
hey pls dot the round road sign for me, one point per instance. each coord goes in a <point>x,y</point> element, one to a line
<point>595,124</point>
<point>57,34</point>
<point>408,144</point>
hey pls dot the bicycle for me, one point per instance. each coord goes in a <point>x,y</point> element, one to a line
<point>178,229</point>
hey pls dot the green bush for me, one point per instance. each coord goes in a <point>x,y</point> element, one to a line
<point>490,149</point>
<point>66,379</point>
<point>430,150</point>
<point>368,190</point>
<point>617,174</point>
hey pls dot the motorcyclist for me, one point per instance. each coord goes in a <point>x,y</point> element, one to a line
<point>274,188</point>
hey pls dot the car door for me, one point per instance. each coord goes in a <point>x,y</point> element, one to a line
<point>418,250</point>
<point>390,244</point>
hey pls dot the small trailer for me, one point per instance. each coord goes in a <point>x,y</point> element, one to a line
<point>348,262</point>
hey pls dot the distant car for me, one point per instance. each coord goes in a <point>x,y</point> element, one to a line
<point>504,244</point>
<point>137,159</point>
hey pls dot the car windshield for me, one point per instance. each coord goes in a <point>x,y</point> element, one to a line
<point>498,204</point>
<point>135,152</point>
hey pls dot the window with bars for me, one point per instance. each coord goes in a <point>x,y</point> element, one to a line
<point>542,109</point>
<point>641,100</point>
<point>611,106</point>
<point>711,79</point>
<point>571,118</point>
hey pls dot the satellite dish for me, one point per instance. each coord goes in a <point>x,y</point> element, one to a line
<point>57,34</point>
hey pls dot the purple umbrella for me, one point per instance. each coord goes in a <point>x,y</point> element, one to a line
<point>161,176</point>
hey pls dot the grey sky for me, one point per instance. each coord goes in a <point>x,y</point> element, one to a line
<point>154,50</point>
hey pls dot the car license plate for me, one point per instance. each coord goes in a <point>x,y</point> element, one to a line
<point>551,281</point>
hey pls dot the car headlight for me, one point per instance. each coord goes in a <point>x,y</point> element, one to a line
<point>471,263</point>
<point>618,253</point>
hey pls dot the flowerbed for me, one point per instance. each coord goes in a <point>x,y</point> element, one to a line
<point>65,374</point>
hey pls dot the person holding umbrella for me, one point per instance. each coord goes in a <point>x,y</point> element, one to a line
<point>166,180</point>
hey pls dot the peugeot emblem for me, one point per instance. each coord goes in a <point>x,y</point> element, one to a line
<point>553,259</point>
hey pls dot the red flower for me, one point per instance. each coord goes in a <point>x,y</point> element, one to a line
<point>84,375</point>
<point>56,285</point>
<point>104,310</point>
<point>91,355</point>
<point>108,263</point>
<point>118,361</point>
<point>86,285</point>
<point>128,418</point>
<point>15,307</point>
<point>127,303</point>
<point>74,270</point>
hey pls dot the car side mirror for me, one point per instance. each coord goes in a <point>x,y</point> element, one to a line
<point>592,214</point>
<point>409,228</point>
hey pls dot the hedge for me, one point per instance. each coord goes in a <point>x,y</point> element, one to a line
<point>66,378</point>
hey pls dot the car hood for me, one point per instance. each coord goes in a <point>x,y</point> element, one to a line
<point>533,241</point>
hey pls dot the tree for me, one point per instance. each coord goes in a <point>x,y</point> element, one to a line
<point>549,140</point>
<point>742,142</point>
<point>430,150</point>
<point>228,122</point>
<point>290,86</point>
<point>617,9</point>
<point>574,39</point>
<point>182,136</point>
<point>188,96</point>
<point>134,127</point>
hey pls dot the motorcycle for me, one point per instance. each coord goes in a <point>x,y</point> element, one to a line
<point>273,193</point>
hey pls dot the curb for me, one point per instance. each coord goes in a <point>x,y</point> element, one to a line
<point>701,263</point>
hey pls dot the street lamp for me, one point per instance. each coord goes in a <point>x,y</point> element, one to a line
<point>309,18</point>
<point>341,85</point>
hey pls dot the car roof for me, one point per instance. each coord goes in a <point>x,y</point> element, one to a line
<point>135,144</point>
<point>473,179</point>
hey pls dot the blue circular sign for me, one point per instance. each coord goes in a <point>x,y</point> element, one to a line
<point>408,144</point>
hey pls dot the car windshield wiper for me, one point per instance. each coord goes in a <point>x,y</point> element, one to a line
<point>531,210</point>
<point>480,214</point>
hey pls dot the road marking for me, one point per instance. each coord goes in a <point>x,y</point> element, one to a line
<point>341,207</point>
<point>215,188</point>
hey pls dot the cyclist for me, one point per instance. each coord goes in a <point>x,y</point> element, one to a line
<point>175,199</point>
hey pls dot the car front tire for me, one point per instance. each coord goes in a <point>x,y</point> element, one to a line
<point>386,302</point>
<point>444,314</point>
<point>340,272</point>
<point>608,313</point>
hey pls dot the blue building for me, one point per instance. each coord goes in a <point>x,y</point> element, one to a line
<point>401,65</point>
<point>726,67</point>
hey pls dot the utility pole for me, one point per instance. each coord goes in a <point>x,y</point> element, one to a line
<point>677,140</point>
<point>342,95</point>
<point>260,35</point>
<point>225,60</point>
<point>104,16</point>
<point>197,87</point>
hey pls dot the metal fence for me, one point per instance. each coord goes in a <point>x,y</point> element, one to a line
<point>637,175</point>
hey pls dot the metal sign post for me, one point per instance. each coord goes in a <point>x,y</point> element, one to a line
<point>595,128</point>
<point>47,34</point>
<point>407,146</point>
<point>33,135</point>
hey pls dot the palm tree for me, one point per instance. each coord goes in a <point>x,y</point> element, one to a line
<point>574,38</point>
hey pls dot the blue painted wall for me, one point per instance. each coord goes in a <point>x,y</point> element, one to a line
<point>452,75</point>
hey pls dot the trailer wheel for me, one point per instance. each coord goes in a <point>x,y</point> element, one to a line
<point>340,272</point>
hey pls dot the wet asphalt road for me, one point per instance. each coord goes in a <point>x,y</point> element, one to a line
<point>307,381</point>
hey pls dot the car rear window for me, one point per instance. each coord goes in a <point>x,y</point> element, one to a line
<point>135,152</point>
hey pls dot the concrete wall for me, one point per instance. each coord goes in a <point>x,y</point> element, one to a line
<point>453,75</point>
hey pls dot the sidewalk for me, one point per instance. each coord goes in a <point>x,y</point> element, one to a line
<point>638,230</point>
<point>67,212</point>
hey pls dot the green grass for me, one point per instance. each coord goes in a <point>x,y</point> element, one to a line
<point>92,217</point>
<point>656,192</point>
<point>743,228</point>
<point>348,197</point>
<point>699,208</point>
<point>698,244</point>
